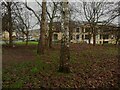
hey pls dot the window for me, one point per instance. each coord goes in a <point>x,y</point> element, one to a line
<point>86,36</point>
<point>100,36</point>
<point>104,42</point>
<point>105,36</point>
<point>77,37</point>
<point>82,37</point>
<point>82,29</point>
<point>86,30</point>
<point>77,30</point>
<point>71,37</point>
<point>55,36</point>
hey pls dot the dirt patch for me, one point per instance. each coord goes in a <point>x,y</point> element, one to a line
<point>18,54</point>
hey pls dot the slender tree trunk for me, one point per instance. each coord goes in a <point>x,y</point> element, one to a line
<point>50,40</point>
<point>10,38</point>
<point>23,37</point>
<point>89,37</point>
<point>46,41</point>
<point>10,24</point>
<point>116,42</point>
<point>65,53</point>
<point>94,37</point>
<point>26,39</point>
<point>41,42</point>
<point>50,34</point>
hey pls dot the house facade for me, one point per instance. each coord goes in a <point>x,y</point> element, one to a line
<point>5,35</point>
<point>80,33</point>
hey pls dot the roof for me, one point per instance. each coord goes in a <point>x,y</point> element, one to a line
<point>72,25</point>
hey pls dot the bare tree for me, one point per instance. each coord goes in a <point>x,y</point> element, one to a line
<point>7,18</point>
<point>22,20</point>
<point>92,13</point>
<point>52,13</point>
<point>65,53</point>
<point>42,23</point>
<point>41,43</point>
<point>116,14</point>
<point>9,12</point>
<point>95,13</point>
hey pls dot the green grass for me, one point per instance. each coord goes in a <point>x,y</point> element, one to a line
<point>29,43</point>
<point>34,70</point>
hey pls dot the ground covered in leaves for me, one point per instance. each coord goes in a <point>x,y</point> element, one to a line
<point>91,67</point>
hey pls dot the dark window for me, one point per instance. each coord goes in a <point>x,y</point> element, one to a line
<point>105,36</point>
<point>86,29</point>
<point>55,37</point>
<point>104,42</point>
<point>86,36</point>
<point>82,29</point>
<point>71,38</point>
<point>77,30</point>
<point>100,36</point>
<point>77,37</point>
<point>82,37</point>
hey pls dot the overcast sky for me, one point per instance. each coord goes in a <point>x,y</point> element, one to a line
<point>64,0</point>
<point>78,17</point>
<point>36,7</point>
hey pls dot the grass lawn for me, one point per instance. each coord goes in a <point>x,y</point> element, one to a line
<point>91,67</point>
<point>29,43</point>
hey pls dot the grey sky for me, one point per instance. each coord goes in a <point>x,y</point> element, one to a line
<point>68,0</point>
<point>36,7</point>
<point>77,16</point>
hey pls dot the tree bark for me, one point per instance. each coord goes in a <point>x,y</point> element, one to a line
<point>89,37</point>
<point>27,38</point>
<point>41,42</point>
<point>94,39</point>
<point>94,36</point>
<point>10,23</point>
<point>50,34</point>
<point>65,53</point>
<point>10,37</point>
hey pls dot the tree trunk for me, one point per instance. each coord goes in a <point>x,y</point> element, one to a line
<point>10,24</point>
<point>65,53</point>
<point>50,40</point>
<point>41,42</point>
<point>23,39</point>
<point>89,37</point>
<point>116,42</point>
<point>10,38</point>
<point>50,34</point>
<point>26,39</point>
<point>94,37</point>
